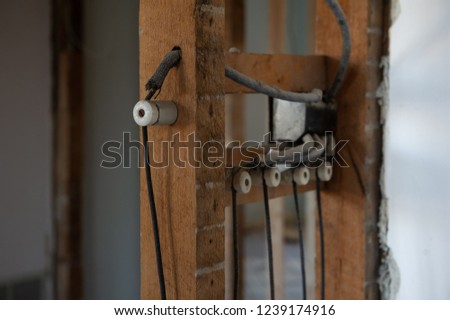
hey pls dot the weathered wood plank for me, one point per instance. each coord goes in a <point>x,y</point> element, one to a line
<point>256,193</point>
<point>289,72</point>
<point>351,199</point>
<point>188,207</point>
<point>234,130</point>
<point>68,178</point>
<point>277,35</point>
<point>68,119</point>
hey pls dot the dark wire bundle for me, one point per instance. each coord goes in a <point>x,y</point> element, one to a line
<point>274,92</point>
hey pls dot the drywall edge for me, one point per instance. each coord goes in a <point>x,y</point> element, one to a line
<point>389,272</point>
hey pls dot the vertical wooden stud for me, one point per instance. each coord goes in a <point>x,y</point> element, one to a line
<point>234,130</point>
<point>351,199</point>
<point>277,35</point>
<point>189,200</point>
<point>68,155</point>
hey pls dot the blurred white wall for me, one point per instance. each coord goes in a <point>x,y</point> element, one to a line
<point>417,153</point>
<point>25,139</point>
<point>111,230</point>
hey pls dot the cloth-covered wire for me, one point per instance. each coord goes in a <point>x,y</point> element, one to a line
<point>322,240</point>
<point>268,238</point>
<point>170,60</point>
<point>307,97</point>
<point>346,49</point>
<point>270,91</point>
<point>300,239</point>
<point>235,243</point>
<point>292,156</point>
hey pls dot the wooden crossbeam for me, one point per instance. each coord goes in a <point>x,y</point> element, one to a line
<point>256,193</point>
<point>288,72</point>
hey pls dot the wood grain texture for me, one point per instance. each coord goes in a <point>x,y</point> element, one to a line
<point>277,36</point>
<point>68,178</point>
<point>277,26</point>
<point>235,38</point>
<point>351,199</point>
<point>288,72</point>
<point>234,130</point>
<point>256,193</point>
<point>235,24</point>
<point>68,120</point>
<point>189,201</point>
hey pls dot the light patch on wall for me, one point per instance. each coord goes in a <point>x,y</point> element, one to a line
<point>389,272</point>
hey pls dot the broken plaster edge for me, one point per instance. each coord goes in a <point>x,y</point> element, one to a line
<point>389,277</point>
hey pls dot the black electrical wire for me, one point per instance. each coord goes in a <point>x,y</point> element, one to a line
<point>151,197</point>
<point>346,49</point>
<point>268,238</point>
<point>155,83</point>
<point>300,239</point>
<point>322,241</point>
<point>235,243</point>
<point>274,92</point>
<point>170,60</point>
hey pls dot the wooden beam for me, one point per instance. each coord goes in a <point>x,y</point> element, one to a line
<point>234,130</point>
<point>351,199</point>
<point>277,35</point>
<point>190,201</point>
<point>68,154</point>
<point>256,193</point>
<point>277,26</point>
<point>235,38</point>
<point>235,24</point>
<point>289,72</point>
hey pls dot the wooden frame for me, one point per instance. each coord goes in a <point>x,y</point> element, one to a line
<point>68,146</point>
<point>234,131</point>
<point>351,200</point>
<point>191,201</point>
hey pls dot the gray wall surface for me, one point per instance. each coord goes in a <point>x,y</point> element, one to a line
<point>26,140</point>
<point>111,196</point>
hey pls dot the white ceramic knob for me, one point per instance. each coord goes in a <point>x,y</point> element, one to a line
<point>149,113</point>
<point>272,177</point>
<point>325,172</point>
<point>145,113</point>
<point>242,182</point>
<point>302,176</point>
